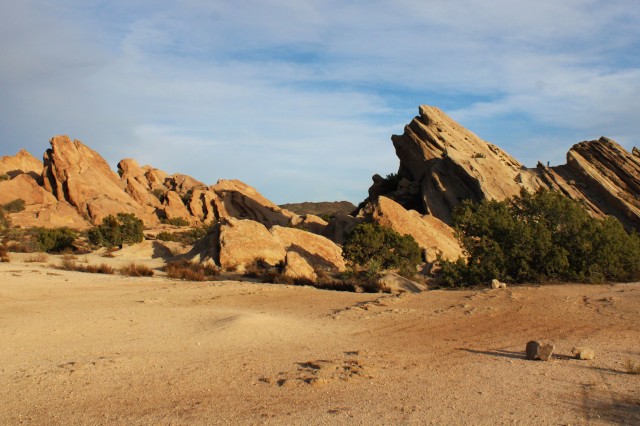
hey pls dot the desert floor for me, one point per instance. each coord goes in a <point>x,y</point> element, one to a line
<point>81,348</point>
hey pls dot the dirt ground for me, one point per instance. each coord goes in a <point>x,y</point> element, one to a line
<point>80,348</point>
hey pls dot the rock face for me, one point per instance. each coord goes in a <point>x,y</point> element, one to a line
<point>430,233</point>
<point>297,267</point>
<point>21,163</point>
<point>78,175</point>
<point>442,164</point>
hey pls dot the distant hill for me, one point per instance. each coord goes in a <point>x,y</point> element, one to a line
<point>328,208</point>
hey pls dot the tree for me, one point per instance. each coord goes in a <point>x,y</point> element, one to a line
<point>376,247</point>
<point>115,231</point>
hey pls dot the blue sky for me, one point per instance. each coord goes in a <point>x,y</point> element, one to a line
<point>299,99</point>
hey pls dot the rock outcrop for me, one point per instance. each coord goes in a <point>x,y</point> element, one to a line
<point>443,164</point>
<point>75,173</point>
<point>21,163</point>
<point>431,234</point>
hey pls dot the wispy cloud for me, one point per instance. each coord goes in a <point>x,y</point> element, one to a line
<point>299,98</point>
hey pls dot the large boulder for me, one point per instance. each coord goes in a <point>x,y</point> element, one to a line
<point>243,241</point>
<point>298,268</point>
<point>317,250</point>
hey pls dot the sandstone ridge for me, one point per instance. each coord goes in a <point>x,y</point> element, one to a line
<point>442,164</point>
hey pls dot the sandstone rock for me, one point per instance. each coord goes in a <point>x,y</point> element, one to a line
<point>50,215</point>
<point>584,353</point>
<point>450,164</point>
<point>497,284</point>
<point>24,186</point>
<point>174,207</point>
<point>21,163</point>
<point>635,151</point>
<point>317,250</point>
<point>398,284</point>
<point>241,201</point>
<point>310,223</point>
<point>242,242</point>
<point>430,233</point>
<point>539,351</point>
<point>75,173</point>
<point>297,267</point>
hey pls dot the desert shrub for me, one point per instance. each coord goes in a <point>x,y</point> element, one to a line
<point>390,183</point>
<point>537,238</point>
<point>69,263</point>
<point>376,247</point>
<point>167,236</point>
<point>37,258</point>
<point>189,271</point>
<point>55,240</point>
<point>176,221</point>
<point>134,270</point>
<point>158,193</point>
<point>14,206</point>
<point>4,176</point>
<point>115,231</point>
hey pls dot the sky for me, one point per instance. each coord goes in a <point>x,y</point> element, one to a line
<point>300,98</point>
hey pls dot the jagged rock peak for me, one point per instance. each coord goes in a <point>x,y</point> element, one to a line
<point>443,164</point>
<point>21,163</point>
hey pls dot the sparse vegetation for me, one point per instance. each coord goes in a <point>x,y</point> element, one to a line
<point>14,206</point>
<point>37,258</point>
<point>188,237</point>
<point>55,240</point>
<point>115,231</point>
<point>159,194</point>
<point>540,237</point>
<point>176,221</point>
<point>135,270</point>
<point>69,263</point>
<point>376,248</point>
<point>189,271</point>
<point>4,176</point>
<point>632,366</point>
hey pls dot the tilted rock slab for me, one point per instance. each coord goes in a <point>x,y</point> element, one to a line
<point>318,251</point>
<point>21,163</point>
<point>442,164</point>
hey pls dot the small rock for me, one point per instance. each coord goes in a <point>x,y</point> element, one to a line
<point>583,352</point>
<point>539,351</point>
<point>497,284</point>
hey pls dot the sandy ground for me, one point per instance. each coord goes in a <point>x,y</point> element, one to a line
<point>81,348</point>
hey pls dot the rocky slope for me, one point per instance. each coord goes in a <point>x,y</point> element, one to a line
<point>442,164</point>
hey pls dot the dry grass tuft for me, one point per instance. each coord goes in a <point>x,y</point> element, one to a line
<point>189,271</point>
<point>133,270</point>
<point>37,258</point>
<point>632,366</point>
<point>69,263</point>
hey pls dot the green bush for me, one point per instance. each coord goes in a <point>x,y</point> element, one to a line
<point>540,237</point>
<point>124,228</point>
<point>376,247</point>
<point>55,240</point>
<point>14,206</point>
<point>176,221</point>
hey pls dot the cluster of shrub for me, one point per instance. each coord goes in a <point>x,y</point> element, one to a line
<point>541,237</point>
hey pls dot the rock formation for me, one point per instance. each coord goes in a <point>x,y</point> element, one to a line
<point>21,163</point>
<point>75,173</point>
<point>442,164</point>
<point>431,234</point>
